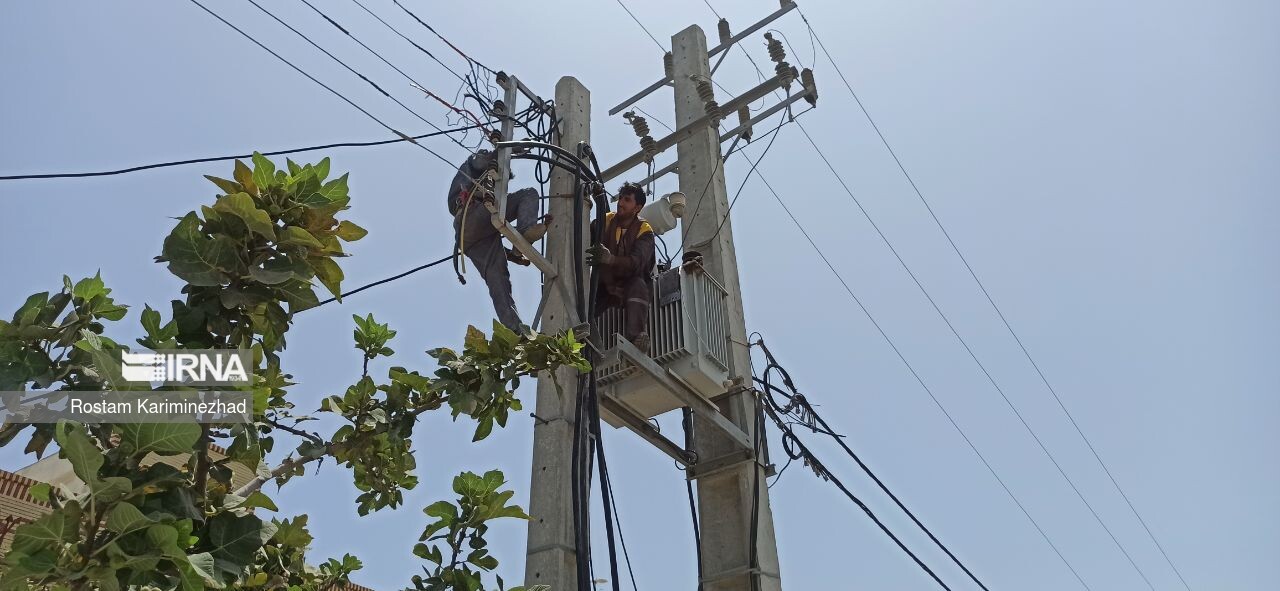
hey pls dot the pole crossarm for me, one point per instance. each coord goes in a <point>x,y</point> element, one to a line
<point>746,98</point>
<point>787,6</point>
<point>733,133</point>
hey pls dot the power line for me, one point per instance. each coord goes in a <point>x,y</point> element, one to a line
<point>991,300</point>
<point>411,42</point>
<point>920,380</point>
<point>60,175</point>
<point>362,77</point>
<point>823,427</point>
<point>384,60</point>
<point>826,474</point>
<point>1018,414</point>
<point>661,47</point>
<point>322,84</point>
<point>974,356</point>
<point>446,41</point>
<point>382,281</point>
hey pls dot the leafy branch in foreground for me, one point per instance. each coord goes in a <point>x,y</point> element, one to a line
<point>248,262</point>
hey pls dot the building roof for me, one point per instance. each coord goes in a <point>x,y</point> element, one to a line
<point>17,506</point>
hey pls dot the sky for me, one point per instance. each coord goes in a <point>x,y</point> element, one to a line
<point>1108,170</point>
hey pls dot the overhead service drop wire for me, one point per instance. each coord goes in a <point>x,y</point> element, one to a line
<point>67,175</point>
<point>382,281</point>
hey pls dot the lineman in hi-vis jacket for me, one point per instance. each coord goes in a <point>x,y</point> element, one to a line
<point>624,255</point>
<point>475,235</point>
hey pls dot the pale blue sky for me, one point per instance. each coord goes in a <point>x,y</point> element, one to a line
<point>1108,169</point>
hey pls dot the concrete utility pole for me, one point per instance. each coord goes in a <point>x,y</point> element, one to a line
<point>727,481</point>
<point>551,558</point>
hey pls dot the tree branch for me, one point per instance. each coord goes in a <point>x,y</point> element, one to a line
<point>285,466</point>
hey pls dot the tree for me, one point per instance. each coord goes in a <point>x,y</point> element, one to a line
<point>249,261</point>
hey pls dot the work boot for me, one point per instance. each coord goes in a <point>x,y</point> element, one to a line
<point>535,233</point>
<point>517,258</point>
<point>642,342</point>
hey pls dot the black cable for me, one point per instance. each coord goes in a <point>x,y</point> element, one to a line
<point>622,539</point>
<point>382,281</point>
<point>990,300</point>
<point>411,42</point>
<point>322,85</point>
<point>803,402</point>
<point>826,474</point>
<point>446,41</point>
<point>60,175</point>
<point>745,178</point>
<point>362,77</point>
<point>687,422</point>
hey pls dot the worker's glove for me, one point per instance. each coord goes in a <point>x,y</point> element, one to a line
<point>599,256</point>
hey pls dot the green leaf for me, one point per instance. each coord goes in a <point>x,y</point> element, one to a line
<point>299,295</point>
<point>90,287</point>
<point>322,168</point>
<point>197,259</point>
<point>228,187</point>
<point>335,189</point>
<point>443,510</point>
<point>263,171</point>
<point>54,528</point>
<point>237,538</point>
<point>258,499</point>
<point>293,532</point>
<point>349,231</point>
<point>298,236</point>
<point>40,491</point>
<point>125,518</point>
<point>329,274</point>
<point>77,448</point>
<point>201,568</point>
<point>475,340</point>
<point>161,438</point>
<point>31,309</point>
<point>242,206</point>
<point>150,321</point>
<point>244,176</point>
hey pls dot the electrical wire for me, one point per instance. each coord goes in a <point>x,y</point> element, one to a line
<point>915,188</point>
<point>446,41</point>
<point>807,409</point>
<point>411,41</point>
<point>981,366</point>
<point>826,474</point>
<point>661,47</point>
<point>362,77</point>
<point>62,175</point>
<point>323,85</point>
<point>384,60</point>
<point>746,178</point>
<point>921,381</point>
<point>382,281</point>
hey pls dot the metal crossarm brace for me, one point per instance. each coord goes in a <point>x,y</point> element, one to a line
<point>642,427</point>
<point>695,401</point>
<point>786,7</point>
<point>746,98</point>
